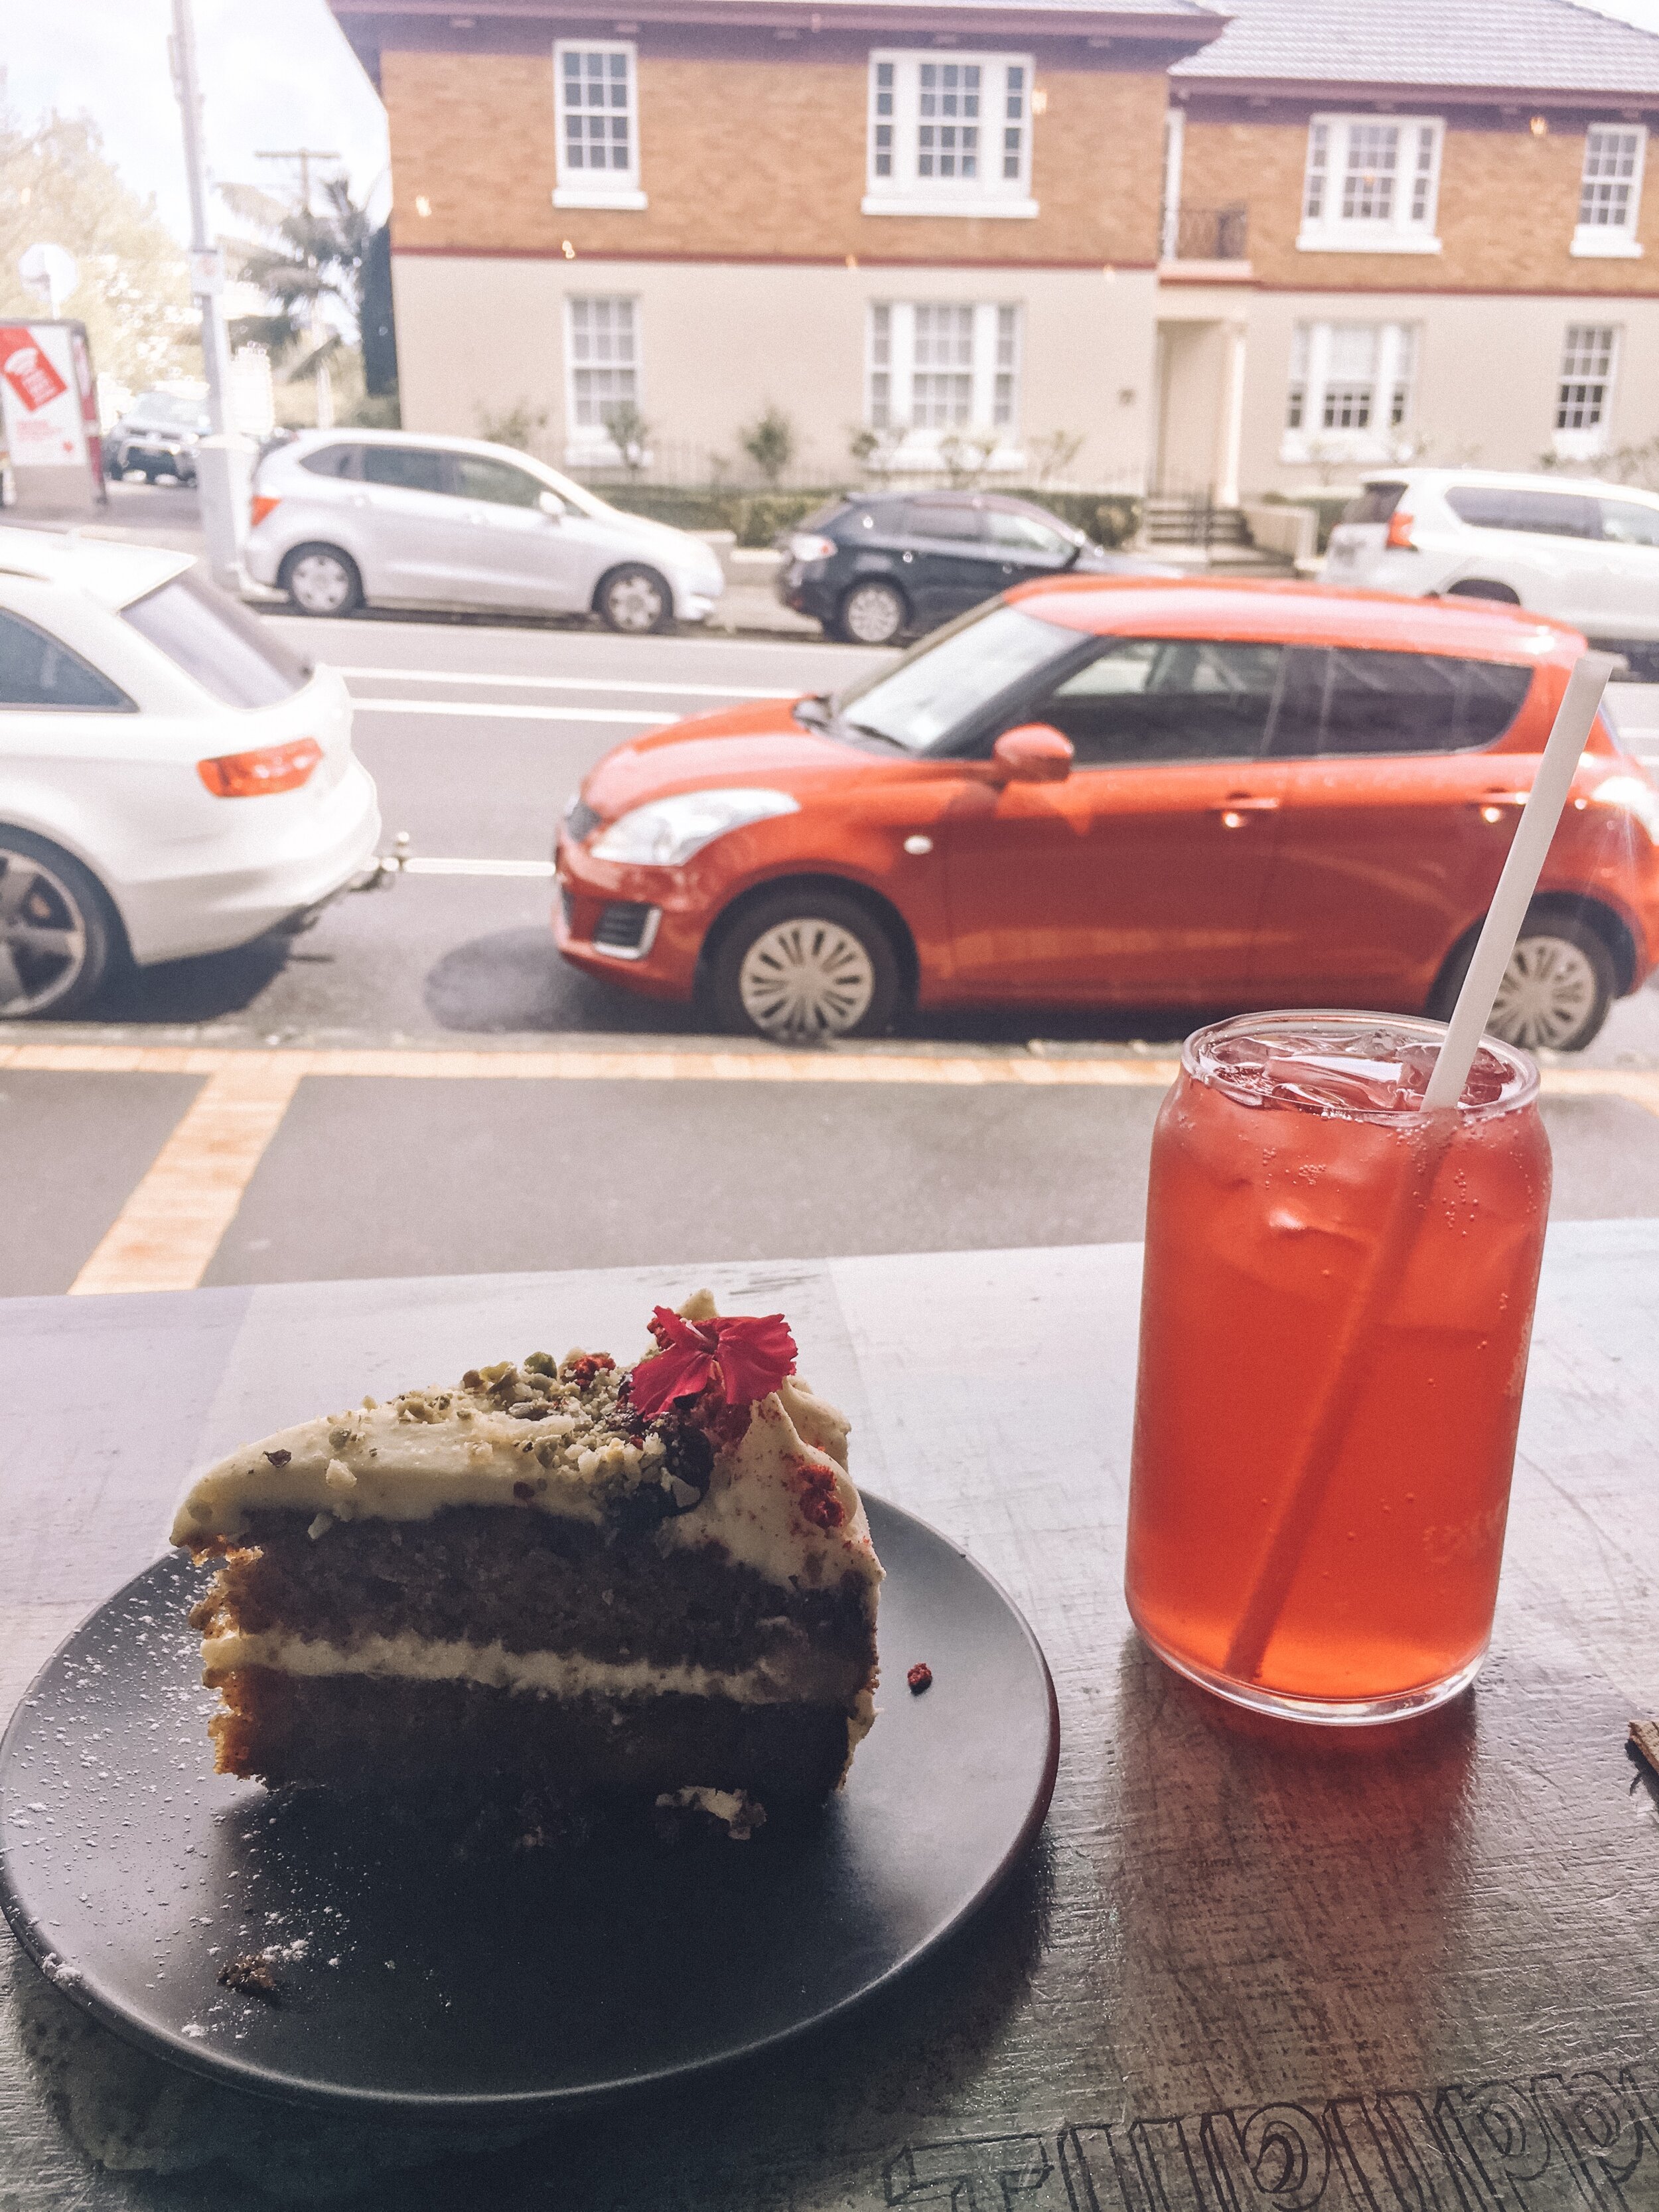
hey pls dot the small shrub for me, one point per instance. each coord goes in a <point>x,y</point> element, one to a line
<point>770,443</point>
<point>519,426</point>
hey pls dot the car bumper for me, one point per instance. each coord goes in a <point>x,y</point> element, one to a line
<point>639,927</point>
<point>314,855</point>
<point>804,589</point>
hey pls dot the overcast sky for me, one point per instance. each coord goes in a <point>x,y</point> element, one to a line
<point>276,73</point>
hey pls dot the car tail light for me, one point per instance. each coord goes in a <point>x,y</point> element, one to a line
<point>1400,532</point>
<point>803,547</point>
<point>259,506</point>
<point>251,775</point>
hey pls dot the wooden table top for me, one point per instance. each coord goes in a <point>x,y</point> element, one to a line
<point>1244,1967</point>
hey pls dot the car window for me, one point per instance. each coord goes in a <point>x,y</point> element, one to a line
<point>334,461</point>
<point>940,518</point>
<point>1377,503</point>
<point>954,677</point>
<point>411,468</point>
<point>476,477</point>
<point>1163,699</point>
<point>1339,702</point>
<point>229,651</point>
<point>885,518</point>
<point>1550,514</point>
<point>36,671</point>
<point>1627,524</point>
<point>1024,533</point>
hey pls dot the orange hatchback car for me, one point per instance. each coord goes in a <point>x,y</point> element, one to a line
<point>1116,793</point>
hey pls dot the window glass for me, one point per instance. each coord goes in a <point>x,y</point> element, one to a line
<point>1586,381</point>
<point>498,481</point>
<point>335,461</point>
<point>1377,503</point>
<point>1611,177</point>
<point>230,651</point>
<point>1552,513</point>
<point>939,518</point>
<point>409,468</point>
<point>604,359</point>
<point>954,676</point>
<point>595,90</point>
<point>1339,702</point>
<point>885,519</point>
<point>1627,524</point>
<point>1163,699</point>
<point>1024,534</point>
<point>35,670</point>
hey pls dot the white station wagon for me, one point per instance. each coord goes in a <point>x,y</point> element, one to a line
<point>1587,553</point>
<point>172,780</point>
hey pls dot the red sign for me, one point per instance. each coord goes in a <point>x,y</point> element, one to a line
<point>26,370</point>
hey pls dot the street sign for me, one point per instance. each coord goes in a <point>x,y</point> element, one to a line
<point>207,272</point>
<point>50,270</point>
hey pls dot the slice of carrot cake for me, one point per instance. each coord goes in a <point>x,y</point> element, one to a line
<point>628,1581</point>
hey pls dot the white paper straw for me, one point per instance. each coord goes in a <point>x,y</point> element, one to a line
<point>1521,870</point>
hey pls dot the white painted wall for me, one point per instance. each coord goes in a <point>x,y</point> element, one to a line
<point>720,341</point>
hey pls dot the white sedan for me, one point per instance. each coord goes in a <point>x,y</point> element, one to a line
<point>172,780</point>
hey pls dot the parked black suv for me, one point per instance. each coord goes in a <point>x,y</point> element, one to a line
<point>876,567</point>
<point>158,435</point>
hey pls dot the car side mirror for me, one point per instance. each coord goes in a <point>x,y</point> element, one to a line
<point>1034,753</point>
<point>551,506</point>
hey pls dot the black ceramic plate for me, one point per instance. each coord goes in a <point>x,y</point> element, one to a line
<point>501,1980</point>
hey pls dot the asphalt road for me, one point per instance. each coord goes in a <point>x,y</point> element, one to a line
<point>476,736</point>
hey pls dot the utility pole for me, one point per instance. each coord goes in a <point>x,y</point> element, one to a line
<point>223,460</point>
<point>316,330</point>
<point>205,276</point>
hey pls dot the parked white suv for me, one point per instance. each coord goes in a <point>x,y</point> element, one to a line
<point>173,780</point>
<point>340,518</point>
<point>1587,553</point>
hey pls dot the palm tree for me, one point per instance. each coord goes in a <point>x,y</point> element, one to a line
<point>305,259</point>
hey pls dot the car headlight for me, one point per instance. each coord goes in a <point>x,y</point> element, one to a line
<point>665,832</point>
<point>1636,795</point>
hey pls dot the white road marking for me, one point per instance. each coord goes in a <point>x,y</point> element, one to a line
<point>421,867</point>
<point>454,707</point>
<point>555,683</point>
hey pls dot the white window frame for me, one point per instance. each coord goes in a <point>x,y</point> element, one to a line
<point>587,445</point>
<point>894,183</point>
<point>1392,388</point>
<point>592,188</point>
<point>993,369</point>
<point>1411,229</point>
<point>1586,441</point>
<point>1610,241</point>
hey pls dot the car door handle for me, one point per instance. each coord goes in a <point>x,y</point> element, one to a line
<point>1241,802</point>
<point>1500,798</point>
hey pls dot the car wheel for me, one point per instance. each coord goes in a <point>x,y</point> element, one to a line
<point>57,930</point>
<point>634,600</point>
<point>1481,587</point>
<point>803,966</point>
<point>872,613</point>
<point>1556,992</point>
<point>320,580</point>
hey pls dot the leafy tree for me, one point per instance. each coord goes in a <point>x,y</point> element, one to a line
<point>1053,454</point>
<point>57,184</point>
<point>307,262</point>
<point>770,443</point>
<point>519,426</point>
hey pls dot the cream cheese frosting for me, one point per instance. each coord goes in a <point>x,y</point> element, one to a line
<point>540,1436</point>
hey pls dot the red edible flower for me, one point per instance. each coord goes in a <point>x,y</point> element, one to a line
<point>740,1357</point>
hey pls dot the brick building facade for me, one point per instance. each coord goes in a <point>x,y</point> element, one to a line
<point>1225,253</point>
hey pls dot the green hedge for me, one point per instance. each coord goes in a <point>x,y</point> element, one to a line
<point>757,517</point>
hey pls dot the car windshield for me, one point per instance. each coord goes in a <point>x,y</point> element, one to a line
<point>951,675</point>
<point>171,409</point>
<point>218,642</point>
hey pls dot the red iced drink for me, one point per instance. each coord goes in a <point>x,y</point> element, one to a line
<point>1338,1301</point>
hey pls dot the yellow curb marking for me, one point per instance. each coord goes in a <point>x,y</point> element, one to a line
<point>166,1235</point>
